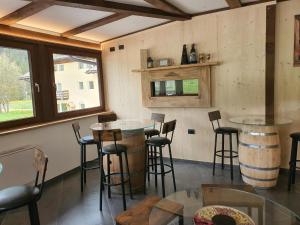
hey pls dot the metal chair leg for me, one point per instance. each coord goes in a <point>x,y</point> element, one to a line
<point>84,163</point>
<point>162,171</point>
<point>231,159</point>
<point>146,173</point>
<point>223,151</point>
<point>81,168</point>
<point>155,167</point>
<point>108,176</point>
<point>122,180</point>
<point>215,152</point>
<point>172,167</point>
<point>33,214</point>
<point>128,173</point>
<point>101,183</point>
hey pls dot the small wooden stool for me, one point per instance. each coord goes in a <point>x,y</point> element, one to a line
<point>140,213</point>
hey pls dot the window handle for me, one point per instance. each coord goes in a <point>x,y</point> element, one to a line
<point>37,87</point>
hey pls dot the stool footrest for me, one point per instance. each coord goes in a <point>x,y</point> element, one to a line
<point>165,172</point>
<point>235,154</point>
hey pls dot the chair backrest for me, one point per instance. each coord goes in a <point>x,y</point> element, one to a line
<point>107,117</point>
<point>169,127</point>
<point>40,165</point>
<point>76,129</point>
<point>158,118</point>
<point>214,116</point>
<point>107,135</point>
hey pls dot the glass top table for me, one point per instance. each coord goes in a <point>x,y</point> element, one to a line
<point>124,125</point>
<point>180,207</point>
<point>260,120</point>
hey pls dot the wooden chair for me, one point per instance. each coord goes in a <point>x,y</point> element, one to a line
<point>83,142</point>
<point>112,135</point>
<point>26,195</point>
<point>214,118</point>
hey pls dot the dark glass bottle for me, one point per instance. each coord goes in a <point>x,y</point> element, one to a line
<point>184,57</point>
<point>193,55</point>
<point>149,62</point>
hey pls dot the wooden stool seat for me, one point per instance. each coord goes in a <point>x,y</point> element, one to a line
<point>140,213</point>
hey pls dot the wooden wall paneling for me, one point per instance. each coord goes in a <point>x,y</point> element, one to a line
<point>270,61</point>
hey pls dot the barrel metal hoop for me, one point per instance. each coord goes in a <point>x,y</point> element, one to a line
<point>259,179</point>
<point>253,133</point>
<point>259,168</point>
<point>256,146</point>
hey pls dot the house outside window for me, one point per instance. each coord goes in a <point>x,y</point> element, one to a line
<point>81,87</point>
<point>91,85</point>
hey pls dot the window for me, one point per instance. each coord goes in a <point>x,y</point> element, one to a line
<point>61,67</point>
<point>91,84</point>
<point>80,65</point>
<point>73,79</point>
<point>24,101</point>
<point>175,88</point>
<point>81,87</point>
<point>17,102</point>
<point>297,41</point>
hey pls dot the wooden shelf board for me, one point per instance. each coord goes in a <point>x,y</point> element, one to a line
<point>176,67</point>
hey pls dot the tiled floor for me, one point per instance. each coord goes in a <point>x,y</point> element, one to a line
<point>63,204</point>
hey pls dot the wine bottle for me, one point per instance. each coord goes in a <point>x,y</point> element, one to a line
<point>184,57</point>
<point>193,55</point>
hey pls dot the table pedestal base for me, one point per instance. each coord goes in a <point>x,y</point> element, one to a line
<point>259,155</point>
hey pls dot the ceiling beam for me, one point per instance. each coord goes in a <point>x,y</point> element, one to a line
<point>26,11</point>
<point>32,35</point>
<point>121,8</point>
<point>234,3</point>
<point>94,24</point>
<point>165,6</point>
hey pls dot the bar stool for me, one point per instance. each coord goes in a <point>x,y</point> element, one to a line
<point>112,135</point>
<point>216,116</point>
<point>83,142</point>
<point>159,119</point>
<point>293,160</point>
<point>160,142</point>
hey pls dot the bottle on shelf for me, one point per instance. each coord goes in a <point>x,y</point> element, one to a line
<point>184,57</point>
<point>193,55</point>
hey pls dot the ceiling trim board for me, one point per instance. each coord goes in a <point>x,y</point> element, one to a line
<point>121,8</point>
<point>32,35</point>
<point>234,3</point>
<point>166,6</point>
<point>26,11</point>
<point>95,24</point>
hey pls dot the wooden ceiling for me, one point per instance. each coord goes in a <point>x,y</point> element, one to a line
<point>97,21</point>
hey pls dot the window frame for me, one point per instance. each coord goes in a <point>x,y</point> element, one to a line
<point>33,67</point>
<point>83,53</point>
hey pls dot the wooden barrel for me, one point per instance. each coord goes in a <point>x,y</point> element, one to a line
<point>259,155</point>
<point>135,142</point>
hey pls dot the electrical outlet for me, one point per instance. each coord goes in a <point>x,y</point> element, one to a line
<point>121,47</point>
<point>112,49</point>
<point>191,131</point>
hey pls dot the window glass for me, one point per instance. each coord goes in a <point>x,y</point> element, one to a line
<point>72,79</point>
<point>175,88</point>
<point>16,94</point>
<point>91,84</point>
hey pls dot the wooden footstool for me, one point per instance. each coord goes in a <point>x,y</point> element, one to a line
<point>140,213</point>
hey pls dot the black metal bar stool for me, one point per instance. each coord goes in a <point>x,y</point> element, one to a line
<point>160,142</point>
<point>158,119</point>
<point>293,160</point>
<point>112,135</point>
<point>83,142</point>
<point>216,116</point>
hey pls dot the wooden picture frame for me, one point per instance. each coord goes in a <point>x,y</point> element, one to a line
<point>297,41</point>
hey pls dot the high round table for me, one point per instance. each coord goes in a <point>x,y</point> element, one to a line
<point>180,207</point>
<point>259,149</point>
<point>133,137</point>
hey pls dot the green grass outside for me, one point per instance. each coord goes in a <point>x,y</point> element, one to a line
<point>14,115</point>
<point>190,86</point>
<point>20,105</point>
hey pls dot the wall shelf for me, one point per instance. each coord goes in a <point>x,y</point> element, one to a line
<point>176,67</point>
